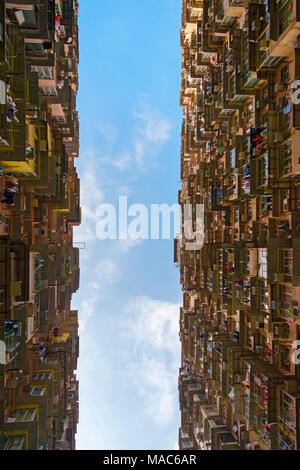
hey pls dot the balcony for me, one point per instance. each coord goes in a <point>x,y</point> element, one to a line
<point>258,20</point>
<point>226,441</point>
<point>285,26</point>
<point>7,66</point>
<point>286,443</point>
<point>13,334</point>
<point>233,8</point>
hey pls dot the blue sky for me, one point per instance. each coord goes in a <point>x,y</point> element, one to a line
<point>129,294</point>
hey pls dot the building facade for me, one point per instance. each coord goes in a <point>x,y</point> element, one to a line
<point>40,205</point>
<point>240,158</point>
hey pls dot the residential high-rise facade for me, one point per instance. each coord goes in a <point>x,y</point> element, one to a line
<point>39,264</point>
<point>239,378</point>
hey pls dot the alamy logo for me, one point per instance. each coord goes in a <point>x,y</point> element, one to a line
<point>137,222</point>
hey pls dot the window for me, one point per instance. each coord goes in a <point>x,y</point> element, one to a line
<point>25,415</point>
<point>263,170</point>
<point>50,361</point>
<point>266,203</point>
<point>38,391</point>
<point>284,200</point>
<point>185,443</point>
<point>62,30</point>
<point>43,376</point>
<point>227,112</point>
<point>240,98</point>
<point>286,294</point>
<point>15,443</point>
<point>232,158</point>
<point>286,264</point>
<point>35,49</point>
<point>58,11</point>
<point>26,17</point>
<point>285,74</point>
<point>264,296</point>
<point>285,16</point>
<point>285,121</point>
<point>263,262</point>
<point>60,118</point>
<point>13,328</point>
<point>45,72</point>
<point>249,209</point>
<point>285,158</point>
<point>49,91</point>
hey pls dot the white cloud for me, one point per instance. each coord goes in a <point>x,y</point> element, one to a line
<point>87,311</point>
<point>123,246</point>
<point>90,191</point>
<point>154,127</point>
<point>107,271</point>
<point>153,326</point>
<point>122,161</point>
<point>108,131</point>
<point>123,190</point>
<point>151,133</point>
<point>91,195</point>
<point>86,232</point>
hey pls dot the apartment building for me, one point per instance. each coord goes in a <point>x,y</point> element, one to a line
<point>40,205</point>
<point>240,158</point>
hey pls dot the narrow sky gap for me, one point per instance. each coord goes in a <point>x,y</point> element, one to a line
<point>129,295</point>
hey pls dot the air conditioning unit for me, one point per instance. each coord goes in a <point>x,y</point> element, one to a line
<point>43,116</point>
<point>7,225</point>
<point>237,378</point>
<point>25,380</point>
<point>43,145</point>
<point>279,87</point>
<point>260,104</point>
<point>15,288</point>
<point>264,43</point>
<point>278,137</point>
<point>255,25</point>
<point>44,284</point>
<point>11,383</point>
